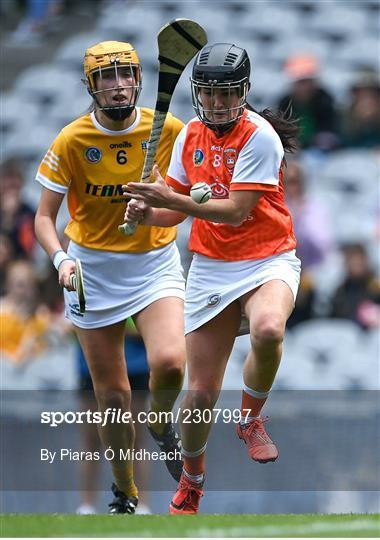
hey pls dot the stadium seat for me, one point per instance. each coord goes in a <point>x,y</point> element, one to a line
<point>271,22</point>
<point>267,87</point>
<point>71,106</point>
<point>359,51</point>
<point>337,21</point>
<point>131,22</point>
<point>45,83</point>
<point>70,53</point>
<point>300,42</point>
<point>351,171</point>
<point>369,359</point>
<point>337,79</point>
<point>29,142</point>
<point>10,117</point>
<point>333,348</point>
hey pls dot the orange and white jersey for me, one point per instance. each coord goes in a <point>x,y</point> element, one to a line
<point>249,157</point>
<point>90,163</point>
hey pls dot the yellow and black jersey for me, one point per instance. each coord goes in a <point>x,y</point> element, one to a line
<point>90,163</point>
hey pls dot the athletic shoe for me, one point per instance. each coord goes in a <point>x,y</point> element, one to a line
<point>168,441</point>
<point>86,510</point>
<point>187,497</point>
<point>122,504</point>
<point>261,448</point>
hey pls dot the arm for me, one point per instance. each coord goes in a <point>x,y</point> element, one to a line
<point>46,232</point>
<point>146,215</point>
<point>232,211</point>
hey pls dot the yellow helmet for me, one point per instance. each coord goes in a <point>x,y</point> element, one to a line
<point>111,54</point>
<point>107,54</point>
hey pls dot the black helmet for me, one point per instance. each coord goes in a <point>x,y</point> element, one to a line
<point>225,67</point>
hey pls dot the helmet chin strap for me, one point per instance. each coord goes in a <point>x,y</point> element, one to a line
<point>118,113</point>
<point>222,129</point>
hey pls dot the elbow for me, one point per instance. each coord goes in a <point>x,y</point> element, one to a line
<point>37,222</point>
<point>237,219</point>
<point>41,221</point>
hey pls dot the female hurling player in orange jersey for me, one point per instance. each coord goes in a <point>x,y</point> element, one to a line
<point>244,250</point>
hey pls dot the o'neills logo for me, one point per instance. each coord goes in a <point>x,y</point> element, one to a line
<point>124,144</point>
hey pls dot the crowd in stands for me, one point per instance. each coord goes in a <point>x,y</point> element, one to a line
<point>31,301</point>
<point>340,268</point>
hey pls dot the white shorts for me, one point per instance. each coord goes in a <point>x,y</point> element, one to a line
<point>118,285</point>
<point>214,284</point>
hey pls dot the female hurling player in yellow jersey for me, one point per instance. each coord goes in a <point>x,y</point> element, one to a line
<point>139,276</point>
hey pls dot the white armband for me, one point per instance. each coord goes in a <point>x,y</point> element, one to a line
<point>58,258</point>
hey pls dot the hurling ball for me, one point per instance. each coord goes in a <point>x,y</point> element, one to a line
<point>201,192</point>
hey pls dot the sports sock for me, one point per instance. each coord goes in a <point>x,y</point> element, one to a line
<point>251,404</point>
<point>158,427</point>
<point>194,464</point>
<point>123,473</point>
<point>196,478</point>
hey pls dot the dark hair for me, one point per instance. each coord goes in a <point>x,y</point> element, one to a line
<point>286,127</point>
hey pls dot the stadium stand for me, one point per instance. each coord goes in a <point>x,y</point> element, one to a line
<point>43,91</point>
<point>344,41</point>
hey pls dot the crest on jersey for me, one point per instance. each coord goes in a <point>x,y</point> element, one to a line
<point>198,157</point>
<point>93,154</point>
<point>219,191</point>
<point>229,158</point>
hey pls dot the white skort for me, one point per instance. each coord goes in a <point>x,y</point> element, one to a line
<point>214,284</point>
<point>118,285</point>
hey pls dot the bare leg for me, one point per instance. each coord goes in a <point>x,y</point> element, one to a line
<point>208,350</point>
<point>267,308</point>
<point>104,352</point>
<point>161,327</point>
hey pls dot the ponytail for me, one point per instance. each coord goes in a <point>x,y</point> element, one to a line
<point>286,127</point>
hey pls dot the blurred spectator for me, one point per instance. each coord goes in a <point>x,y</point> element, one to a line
<point>17,218</point>
<point>310,218</point>
<point>304,307</point>
<point>361,119</point>
<point>6,257</point>
<point>26,326</point>
<point>138,373</point>
<point>358,296</point>
<point>51,291</point>
<point>310,103</point>
<point>39,18</point>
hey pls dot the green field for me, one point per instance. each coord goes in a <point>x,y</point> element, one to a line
<point>277,525</point>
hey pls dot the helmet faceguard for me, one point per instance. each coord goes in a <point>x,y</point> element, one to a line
<point>117,63</point>
<point>220,70</point>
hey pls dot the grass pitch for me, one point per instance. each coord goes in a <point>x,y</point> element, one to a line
<point>277,525</point>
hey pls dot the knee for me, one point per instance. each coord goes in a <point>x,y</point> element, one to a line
<point>202,398</point>
<point>115,398</point>
<point>168,365</point>
<point>268,331</point>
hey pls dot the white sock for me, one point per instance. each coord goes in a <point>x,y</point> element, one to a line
<point>248,419</point>
<point>196,478</point>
